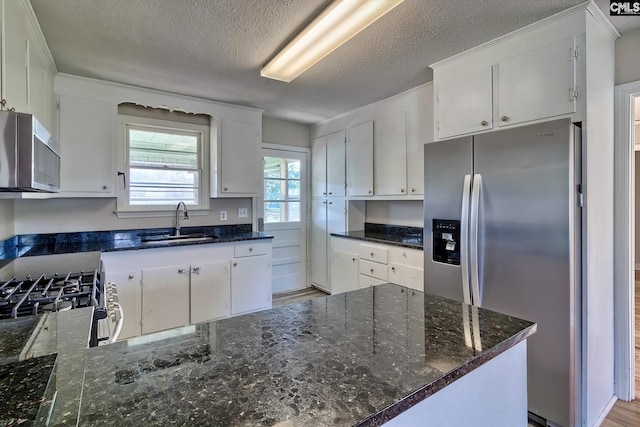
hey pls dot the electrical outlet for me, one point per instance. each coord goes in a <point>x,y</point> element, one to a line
<point>243,213</point>
<point>223,215</point>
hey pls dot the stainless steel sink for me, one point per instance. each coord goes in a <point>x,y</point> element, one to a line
<point>185,238</point>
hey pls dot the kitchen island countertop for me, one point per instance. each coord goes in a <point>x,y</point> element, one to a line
<point>358,358</point>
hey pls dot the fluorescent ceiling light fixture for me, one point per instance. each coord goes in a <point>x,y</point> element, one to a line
<point>340,21</point>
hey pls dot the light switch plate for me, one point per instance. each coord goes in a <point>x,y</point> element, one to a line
<point>243,212</point>
<point>223,215</point>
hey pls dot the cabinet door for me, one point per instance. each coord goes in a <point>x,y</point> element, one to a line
<point>165,298</point>
<point>250,284</point>
<point>319,167</point>
<point>210,291</point>
<point>419,132</point>
<point>344,272</point>
<point>14,56</point>
<point>360,160</point>
<point>319,243</point>
<point>240,158</point>
<point>128,286</point>
<point>464,103</point>
<point>336,151</point>
<point>87,141</point>
<point>336,216</point>
<point>390,155</point>
<point>537,84</point>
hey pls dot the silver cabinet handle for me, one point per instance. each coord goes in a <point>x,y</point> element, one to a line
<point>225,188</point>
<point>324,193</point>
<point>195,270</point>
<point>370,191</point>
<point>371,254</point>
<point>131,276</point>
<point>105,187</point>
<point>504,118</point>
<point>372,270</point>
<point>330,193</point>
<point>393,269</point>
<point>235,263</point>
<point>180,270</point>
<point>484,123</point>
<point>330,203</point>
<point>353,259</point>
<point>250,249</point>
<point>324,203</point>
<point>402,190</point>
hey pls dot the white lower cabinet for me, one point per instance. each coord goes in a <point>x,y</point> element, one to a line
<point>344,271</point>
<point>165,298</point>
<point>210,291</point>
<point>357,264</point>
<point>246,273</point>
<point>164,288</point>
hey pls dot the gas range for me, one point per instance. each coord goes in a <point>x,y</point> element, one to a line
<point>49,293</point>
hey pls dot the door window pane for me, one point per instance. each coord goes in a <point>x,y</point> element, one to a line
<point>281,190</point>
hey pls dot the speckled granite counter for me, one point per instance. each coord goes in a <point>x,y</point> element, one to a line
<point>358,358</point>
<point>42,359</point>
<point>397,235</point>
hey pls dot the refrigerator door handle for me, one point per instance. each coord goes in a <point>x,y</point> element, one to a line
<point>464,239</point>
<point>473,240</point>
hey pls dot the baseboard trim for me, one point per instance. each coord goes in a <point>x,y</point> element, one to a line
<point>605,411</point>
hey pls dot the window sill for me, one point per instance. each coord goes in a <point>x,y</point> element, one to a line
<point>159,214</point>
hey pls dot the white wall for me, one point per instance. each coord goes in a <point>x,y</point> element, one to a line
<point>627,58</point>
<point>65,215</point>
<point>276,131</point>
<point>6,219</point>
<point>408,212</point>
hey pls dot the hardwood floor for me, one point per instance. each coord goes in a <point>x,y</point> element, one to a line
<point>283,298</point>
<point>626,414</point>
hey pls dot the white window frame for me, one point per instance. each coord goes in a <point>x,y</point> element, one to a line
<point>123,208</point>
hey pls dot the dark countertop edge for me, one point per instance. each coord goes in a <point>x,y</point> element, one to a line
<point>382,241</point>
<point>171,244</point>
<point>431,388</point>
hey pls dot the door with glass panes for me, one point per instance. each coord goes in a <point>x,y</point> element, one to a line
<point>284,213</point>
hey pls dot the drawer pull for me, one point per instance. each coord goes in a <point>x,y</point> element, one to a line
<point>371,254</point>
<point>250,249</point>
<point>484,123</point>
<point>180,270</point>
<point>372,270</point>
<point>235,263</point>
<point>353,259</point>
<point>393,269</point>
<point>131,276</point>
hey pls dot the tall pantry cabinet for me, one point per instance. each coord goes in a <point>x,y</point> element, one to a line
<point>328,204</point>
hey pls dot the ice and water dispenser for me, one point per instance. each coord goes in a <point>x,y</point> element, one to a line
<point>446,241</point>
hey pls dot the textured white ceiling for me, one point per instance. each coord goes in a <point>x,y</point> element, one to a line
<point>215,49</point>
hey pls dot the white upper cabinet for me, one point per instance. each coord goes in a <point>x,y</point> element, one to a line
<point>360,160</point>
<point>15,56</point>
<point>26,66</point>
<point>319,167</point>
<point>419,132</point>
<point>238,164</point>
<point>87,138</point>
<point>328,165</point>
<point>390,155</point>
<point>464,103</point>
<point>538,84</point>
<point>335,168</point>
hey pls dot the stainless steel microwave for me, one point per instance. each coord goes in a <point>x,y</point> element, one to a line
<point>29,156</point>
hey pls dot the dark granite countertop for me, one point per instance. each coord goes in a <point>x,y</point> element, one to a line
<point>118,240</point>
<point>397,235</point>
<point>41,360</point>
<point>358,358</point>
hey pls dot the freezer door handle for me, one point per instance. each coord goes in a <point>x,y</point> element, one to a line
<point>473,240</point>
<point>464,239</point>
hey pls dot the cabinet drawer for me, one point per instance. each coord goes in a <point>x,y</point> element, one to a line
<point>374,253</point>
<point>406,256</point>
<point>368,281</point>
<point>373,269</point>
<point>249,249</point>
<point>404,275</point>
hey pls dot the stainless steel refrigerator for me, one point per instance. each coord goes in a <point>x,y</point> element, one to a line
<point>502,224</point>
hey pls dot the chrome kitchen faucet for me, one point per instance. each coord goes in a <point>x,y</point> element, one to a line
<point>186,216</point>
